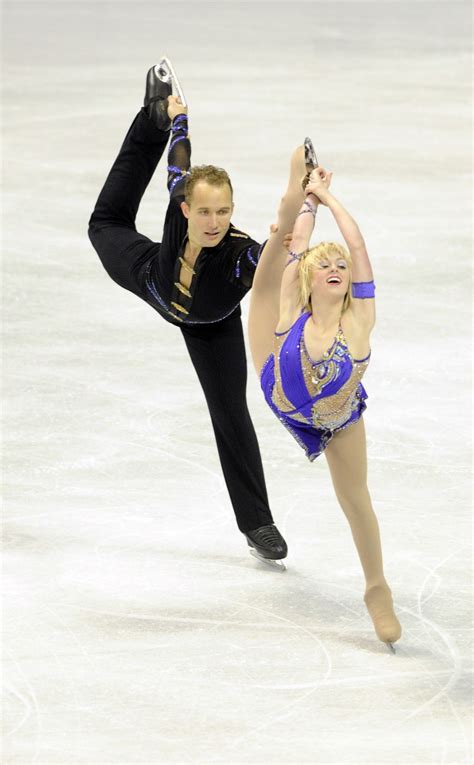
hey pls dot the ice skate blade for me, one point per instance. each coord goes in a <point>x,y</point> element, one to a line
<point>277,564</point>
<point>391,647</point>
<point>164,70</point>
<point>310,158</point>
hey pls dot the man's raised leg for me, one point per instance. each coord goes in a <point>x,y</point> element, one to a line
<point>112,230</point>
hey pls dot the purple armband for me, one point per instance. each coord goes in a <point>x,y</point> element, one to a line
<point>363,290</point>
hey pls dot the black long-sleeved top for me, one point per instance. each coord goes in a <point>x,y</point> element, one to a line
<point>222,274</point>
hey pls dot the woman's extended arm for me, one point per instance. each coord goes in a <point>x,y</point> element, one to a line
<point>290,303</point>
<point>361,268</point>
<point>289,290</point>
<point>363,288</point>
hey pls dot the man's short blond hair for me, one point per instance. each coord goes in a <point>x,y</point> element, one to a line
<point>211,174</point>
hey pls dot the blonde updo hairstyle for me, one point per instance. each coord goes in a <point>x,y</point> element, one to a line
<point>311,258</point>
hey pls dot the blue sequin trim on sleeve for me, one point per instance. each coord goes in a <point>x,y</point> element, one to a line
<point>249,256</point>
<point>179,132</point>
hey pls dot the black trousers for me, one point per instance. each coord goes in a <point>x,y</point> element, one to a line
<point>217,350</point>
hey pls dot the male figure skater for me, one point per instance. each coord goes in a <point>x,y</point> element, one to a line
<point>195,279</point>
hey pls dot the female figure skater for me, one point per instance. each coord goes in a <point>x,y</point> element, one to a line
<point>311,314</point>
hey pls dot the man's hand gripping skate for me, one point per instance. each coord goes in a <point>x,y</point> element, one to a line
<point>175,107</point>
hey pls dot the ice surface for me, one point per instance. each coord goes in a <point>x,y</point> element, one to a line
<point>137,629</point>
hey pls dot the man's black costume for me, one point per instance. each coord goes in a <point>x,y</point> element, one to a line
<point>207,313</point>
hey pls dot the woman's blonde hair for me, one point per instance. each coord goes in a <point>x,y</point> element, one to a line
<point>311,258</point>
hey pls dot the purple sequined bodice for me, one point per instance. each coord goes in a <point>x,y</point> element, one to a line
<point>313,396</point>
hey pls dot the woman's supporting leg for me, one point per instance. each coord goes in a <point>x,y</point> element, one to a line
<point>346,454</point>
<point>347,459</point>
<point>265,294</point>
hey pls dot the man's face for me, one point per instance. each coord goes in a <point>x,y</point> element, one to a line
<point>208,214</point>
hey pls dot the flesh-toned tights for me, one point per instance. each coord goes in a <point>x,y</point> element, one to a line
<point>346,455</point>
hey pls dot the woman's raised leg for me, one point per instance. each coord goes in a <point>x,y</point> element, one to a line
<point>265,293</point>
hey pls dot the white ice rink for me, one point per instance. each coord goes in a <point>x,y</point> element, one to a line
<point>137,628</point>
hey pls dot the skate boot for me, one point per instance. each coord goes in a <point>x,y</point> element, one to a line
<point>378,600</point>
<point>310,160</point>
<point>267,544</point>
<point>161,82</point>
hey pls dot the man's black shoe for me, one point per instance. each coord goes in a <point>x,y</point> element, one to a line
<point>268,542</point>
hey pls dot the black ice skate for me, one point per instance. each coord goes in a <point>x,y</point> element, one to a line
<point>310,160</point>
<point>161,82</point>
<point>267,544</point>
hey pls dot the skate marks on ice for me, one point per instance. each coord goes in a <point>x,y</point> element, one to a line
<point>295,652</point>
<point>296,649</point>
<point>442,644</point>
<point>212,652</point>
<point>393,677</point>
<point>24,693</point>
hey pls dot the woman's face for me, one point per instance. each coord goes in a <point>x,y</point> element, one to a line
<point>330,276</point>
